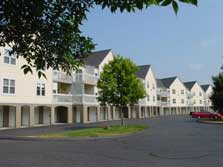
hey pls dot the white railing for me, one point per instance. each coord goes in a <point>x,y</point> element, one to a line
<point>91,79</point>
<point>163,93</point>
<point>62,98</point>
<point>61,77</point>
<point>162,103</point>
<point>81,99</point>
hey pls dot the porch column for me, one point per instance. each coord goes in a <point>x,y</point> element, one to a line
<point>70,115</point>
<point>84,113</point>
<point>161,111</point>
<point>139,112</point>
<point>31,116</point>
<point>52,115</point>
<point>108,112</point>
<point>18,116</point>
<point>98,113</point>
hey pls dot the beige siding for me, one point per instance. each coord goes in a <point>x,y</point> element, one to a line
<point>178,86</point>
<point>25,85</point>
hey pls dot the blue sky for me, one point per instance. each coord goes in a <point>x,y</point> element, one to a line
<point>189,45</point>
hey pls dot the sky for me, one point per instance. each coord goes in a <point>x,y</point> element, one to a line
<point>189,45</point>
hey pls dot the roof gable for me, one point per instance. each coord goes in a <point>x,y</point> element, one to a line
<point>190,85</point>
<point>167,82</point>
<point>160,83</point>
<point>96,58</point>
<point>142,71</point>
<point>205,87</point>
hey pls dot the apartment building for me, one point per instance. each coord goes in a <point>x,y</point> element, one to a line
<point>208,90</point>
<point>148,105</point>
<point>27,101</point>
<point>171,96</point>
<point>195,96</point>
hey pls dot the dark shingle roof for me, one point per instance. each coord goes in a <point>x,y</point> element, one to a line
<point>96,58</point>
<point>205,87</point>
<point>167,82</point>
<point>189,85</point>
<point>143,70</point>
<point>160,83</point>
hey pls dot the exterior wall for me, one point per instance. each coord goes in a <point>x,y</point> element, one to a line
<point>106,60</point>
<point>151,90</point>
<point>178,86</point>
<point>25,85</point>
<point>197,95</point>
<point>207,95</point>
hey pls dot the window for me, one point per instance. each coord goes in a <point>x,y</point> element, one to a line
<point>9,58</point>
<point>147,84</point>
<point>79,75</point>
<point>200,101</point>
<point>173,91</point>
<point>8,86</point>
<point>174,101</point>
<point>200,93</point>
<point>182,92</point>
<point>153,86</point>
<point>40,89</point>
<point>182,101</point>
<point>154,98</point>
<point>148,98</point>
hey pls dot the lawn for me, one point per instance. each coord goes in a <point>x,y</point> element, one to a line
<point>96,132</point>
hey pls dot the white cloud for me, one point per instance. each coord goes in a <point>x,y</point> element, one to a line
<point>208,42</point>
<point>196,66</point>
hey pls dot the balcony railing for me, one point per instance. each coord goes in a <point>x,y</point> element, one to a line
<point>61,77</point>
<point>62,98</point>
<point>81,99</point>
<point>162,103</point>
<point>163,93</point>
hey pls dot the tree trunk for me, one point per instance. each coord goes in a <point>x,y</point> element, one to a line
<point>122,117</point>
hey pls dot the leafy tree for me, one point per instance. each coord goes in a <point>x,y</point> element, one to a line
<point>48,31</point>
<point>217,95</point>
<point>118,85</point>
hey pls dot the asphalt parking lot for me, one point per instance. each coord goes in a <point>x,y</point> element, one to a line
<point>171,141</point>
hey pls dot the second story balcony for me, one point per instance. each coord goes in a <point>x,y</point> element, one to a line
<point>85,99</point>
<point>61,77</point>
<point>62,99</point>
<point>163,93</point>
<point>163,103</point>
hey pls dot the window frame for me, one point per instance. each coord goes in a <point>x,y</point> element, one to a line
<point>10,57</point>
<point>40,89</point>
<point>9,86</point>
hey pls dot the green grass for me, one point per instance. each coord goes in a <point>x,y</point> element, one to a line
<point>96,132</point>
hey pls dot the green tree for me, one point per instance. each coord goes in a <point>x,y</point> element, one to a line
<point>48,31</point>
<point>217,95</point>
<point>118,85</point>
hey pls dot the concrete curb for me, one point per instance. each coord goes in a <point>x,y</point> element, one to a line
<point>209,122</point>
<point>18,138</point>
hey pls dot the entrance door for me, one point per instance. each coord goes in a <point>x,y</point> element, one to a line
<point>41,115</point>
<point>5,116</point>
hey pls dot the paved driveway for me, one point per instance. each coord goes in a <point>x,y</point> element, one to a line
<point>173,141</point>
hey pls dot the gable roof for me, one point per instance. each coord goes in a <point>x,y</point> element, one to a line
<point>143,70</point>
<point>205,87</point>
<point>190,85</point>
<point>96,58</point>
<point>160,83</point>
<point>167,82</point>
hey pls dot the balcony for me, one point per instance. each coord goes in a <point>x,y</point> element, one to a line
<point>163,103</point>
<point>163,93</point>
<point>62,98</point>
<point>61,77</point>
<point>85,99</point>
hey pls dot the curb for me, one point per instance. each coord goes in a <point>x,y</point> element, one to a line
<point>17,138</point>
<point>209,122</point>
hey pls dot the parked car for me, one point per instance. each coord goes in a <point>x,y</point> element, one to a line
<point>205,114</point>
